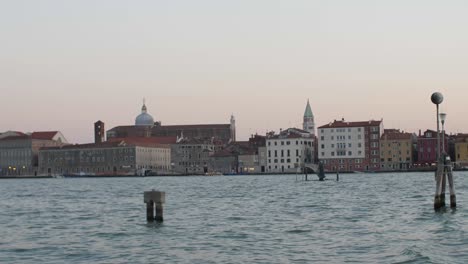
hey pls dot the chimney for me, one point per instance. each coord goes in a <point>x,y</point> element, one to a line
<point>419,132</point>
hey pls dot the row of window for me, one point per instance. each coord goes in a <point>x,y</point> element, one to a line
<point>342,130</point>
<point>391,159</point>
<point>288,153</point>
<point>287,143</point>
<point>342,161</point>
<point>341,153</point>
<point>282,161</point>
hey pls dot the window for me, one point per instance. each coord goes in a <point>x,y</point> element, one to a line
<point>323,146</point>
<point>333,153</point>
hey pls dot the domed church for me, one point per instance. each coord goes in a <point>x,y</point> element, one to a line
<point>144,119</point>
<point>146,126</point>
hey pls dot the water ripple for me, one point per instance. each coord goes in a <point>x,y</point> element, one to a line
<point>364,218</point>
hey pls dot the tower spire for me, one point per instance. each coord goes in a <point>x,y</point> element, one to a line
<point>309,123</point>
<point>143,108</point>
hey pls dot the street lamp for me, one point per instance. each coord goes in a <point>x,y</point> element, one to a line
<point>437,98</point>
<point>443,117</point>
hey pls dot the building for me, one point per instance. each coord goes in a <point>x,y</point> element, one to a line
<point>131,156</point>
<point>192,156</point>
<point>146,127</point>
<point>461,150</point>
<point>309,123</point>
<point>19,151</point>
<point>289,150</point>
<point>242,157</point>
<point>427,147</point>
<point>396,150</point>
<point>350,146</point>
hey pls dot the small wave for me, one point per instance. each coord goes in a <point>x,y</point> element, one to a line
<point>415,256</point>
<point>236,218</point>
<point>298,231</point>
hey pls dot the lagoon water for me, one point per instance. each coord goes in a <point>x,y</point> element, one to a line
<point>363,218</point>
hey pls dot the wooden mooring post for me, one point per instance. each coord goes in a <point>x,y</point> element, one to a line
<point>444,172</point>
<point>154,199</point>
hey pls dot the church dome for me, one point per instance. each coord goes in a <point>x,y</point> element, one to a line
<point>144,119</point>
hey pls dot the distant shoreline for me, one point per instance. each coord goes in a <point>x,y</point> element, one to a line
<point>253,174</point>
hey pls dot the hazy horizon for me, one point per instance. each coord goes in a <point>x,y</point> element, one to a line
<point>65,65</point>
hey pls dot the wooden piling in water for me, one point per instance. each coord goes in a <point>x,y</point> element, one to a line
<point>444,172</point>
<point>151,199</point>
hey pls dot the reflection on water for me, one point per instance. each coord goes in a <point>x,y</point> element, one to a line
<point>364,218</point>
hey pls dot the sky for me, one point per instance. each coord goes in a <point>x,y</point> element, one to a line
<point>66,64</point>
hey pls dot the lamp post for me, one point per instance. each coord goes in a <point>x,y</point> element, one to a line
<point>444,165</point>
<point>443,117</point>
<point>437,99</point>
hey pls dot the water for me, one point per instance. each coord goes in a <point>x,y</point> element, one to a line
<point>363,218</point>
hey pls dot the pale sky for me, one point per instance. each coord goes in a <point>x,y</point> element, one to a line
<point>66,64</point>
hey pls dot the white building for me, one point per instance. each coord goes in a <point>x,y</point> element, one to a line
<point>289,150</point>
<point>350,146</point>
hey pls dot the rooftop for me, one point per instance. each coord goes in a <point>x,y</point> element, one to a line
<point>343,123</point>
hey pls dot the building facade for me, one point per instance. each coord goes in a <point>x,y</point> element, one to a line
<point>427,147</point>
<point>19,152</point>
<point>396,150</point>
<point>350,146</point>
<point>107,158</point>
<point>289,150</point>
<point>192,156</point>
<point>461,150</point>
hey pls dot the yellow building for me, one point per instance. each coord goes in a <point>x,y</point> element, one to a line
<point>396,150</point>
<point>461,150</point>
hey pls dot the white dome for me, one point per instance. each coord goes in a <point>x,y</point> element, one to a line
<point>144,119</point>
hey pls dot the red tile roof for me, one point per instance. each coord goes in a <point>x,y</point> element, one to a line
<point>145,140</point>
<point>341,123</point>
<point>46,135</point>
<point>396,135</point>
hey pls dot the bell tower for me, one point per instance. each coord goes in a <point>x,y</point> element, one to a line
<point>99,132</point>
<point>233,128</point>
<point>309,123</point>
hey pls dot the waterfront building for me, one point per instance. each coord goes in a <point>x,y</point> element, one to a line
<point>350,146</point>
<point>308,121</point>
<point>192,156</point>
<point>145,126</point>
<point>461,150</point>
<point>396,150</point>
<point>130,156</point>
<point>289,150</point>
<point>427,147</point>
<point>19,151</point>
